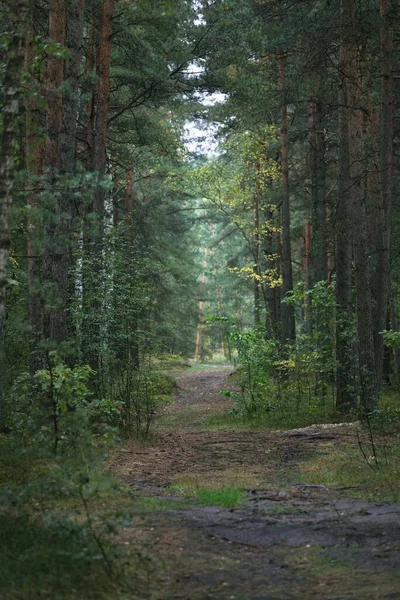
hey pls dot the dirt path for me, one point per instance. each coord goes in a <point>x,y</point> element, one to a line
<point>284,541</point>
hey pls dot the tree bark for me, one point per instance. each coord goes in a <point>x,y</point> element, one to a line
<point>257,253</point>
<point>353,82</point>
<point>200,327</point>
<point>346,398</point>
<point>133,353</point>
<point>91,65</point>
<point>34,167</point>
<point>57,321</point>
<point>55,77</point>
<point>287,311</point>
<point>103,69</point>
<point>307,277</point>
<point>11,87</point>
<point>93,234</point>
<point>385,204</point>
<point>54,318</point>
<point>318,260</point>
<point>271,267</point>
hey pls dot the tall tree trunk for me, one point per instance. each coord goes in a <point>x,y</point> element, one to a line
<point>70,212</point>
<point>271,267</point>
<point>307,277</point>
<point>11,87</point>
<point>34,166</point>
<point>386,161</point>
<point>103,68</point>
<point>375,232</point>
<point>91,66</point>
<point>54,320</point>
<point>367,365</point>
<point>257,253</point>
<point>287,311</point>
<point>93,234</point>
<point>55,77</point>
<point>199,336</point>
<point>346,399</point>
<point>319,261</point>
<point>133,324</point>
<point>58,327</point>
<point>75,18</point>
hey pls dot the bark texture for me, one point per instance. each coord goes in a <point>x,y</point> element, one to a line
<point>94,223</point>
<point>318,259</point>
<point>34,165</point>
<point>11,84</point>
<point>382,298</point>
<point>353,82</point>
<point>287,312</point>
<point>346,399</point>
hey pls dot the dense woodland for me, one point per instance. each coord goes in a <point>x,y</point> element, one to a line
<point>126,244</point>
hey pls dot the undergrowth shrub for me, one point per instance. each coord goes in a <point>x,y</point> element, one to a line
<point>54,483</point>
<point>279,385</point>
<point>291,384</point>
<point>138,394</point>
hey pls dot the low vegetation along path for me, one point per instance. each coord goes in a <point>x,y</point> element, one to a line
<point>225,516</point>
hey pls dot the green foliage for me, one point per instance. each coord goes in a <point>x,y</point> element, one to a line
<point>391,338</point>
<point>51,408</point>
<point>290,385</point>
<point>49,557</point>
<point>147,391</point>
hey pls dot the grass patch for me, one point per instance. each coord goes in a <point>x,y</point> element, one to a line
<point>346,466</point>
<point>225,497</point>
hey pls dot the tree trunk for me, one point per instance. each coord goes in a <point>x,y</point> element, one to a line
<point>257,253</point>
<point>199,336</point>
<point>318,261</point>
<point>353,82</point>
<point>133,324</point>
<point>93,234</point>
<point>75,15</point>
<point>272,320</point>
<point>288,322</point>
<point>34,167</point>
<point>58,327</point>
<point>11,88</point>
<point>307,277</point>
<point>346,398</point>
<point>54,319</point>
<point>386,161</point>
<point>55,77</point>
<point>91,66</point>
<point>103,69</point>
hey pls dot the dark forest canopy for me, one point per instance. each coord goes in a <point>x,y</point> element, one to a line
<point>120,242</point>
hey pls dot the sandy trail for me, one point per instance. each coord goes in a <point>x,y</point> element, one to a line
<point>284,541</point>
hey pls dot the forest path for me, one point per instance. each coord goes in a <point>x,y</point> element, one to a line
<point>283,541</point>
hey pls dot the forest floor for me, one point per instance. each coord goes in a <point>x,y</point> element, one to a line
<point>284,538</point>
